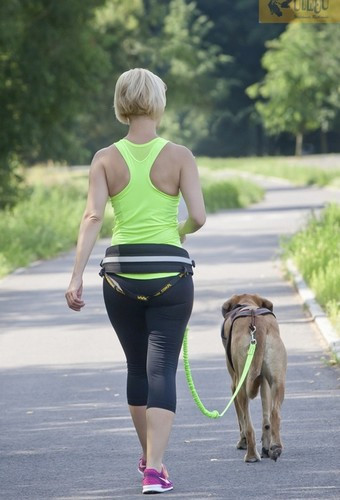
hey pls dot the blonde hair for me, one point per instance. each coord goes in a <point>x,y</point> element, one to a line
<point>139,92</point>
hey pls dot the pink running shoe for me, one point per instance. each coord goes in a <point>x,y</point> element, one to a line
<point>141,465</point>
<point>156,482</point>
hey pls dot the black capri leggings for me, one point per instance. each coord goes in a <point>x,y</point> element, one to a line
<point>151,334</point>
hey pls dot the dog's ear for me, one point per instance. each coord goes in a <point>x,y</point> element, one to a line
<point>261,302</point>
<point>229,304</point>
<point>226,307</point>
<point>267,304</point>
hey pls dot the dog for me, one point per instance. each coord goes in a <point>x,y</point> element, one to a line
<point>267,371</point>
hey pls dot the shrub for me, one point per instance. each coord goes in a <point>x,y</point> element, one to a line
<point>231,193</point>
<point>316,252</point>
<point>40,226</point>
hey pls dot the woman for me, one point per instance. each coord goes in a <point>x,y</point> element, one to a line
<point>149,308</point>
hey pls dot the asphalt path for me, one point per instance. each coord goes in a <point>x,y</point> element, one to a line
<point>65,430</point>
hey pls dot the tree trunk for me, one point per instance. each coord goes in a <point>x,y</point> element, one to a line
<point>323,142</point>
<point>299,144</point>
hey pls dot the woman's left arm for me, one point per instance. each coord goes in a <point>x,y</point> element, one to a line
<point>89,229</point>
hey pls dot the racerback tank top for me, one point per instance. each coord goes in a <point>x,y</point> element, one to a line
<point>143,213</point>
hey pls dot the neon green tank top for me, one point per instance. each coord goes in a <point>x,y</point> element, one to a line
<point>143,213</point>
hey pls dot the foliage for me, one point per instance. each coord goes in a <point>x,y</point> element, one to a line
<point>59,62</point>
<point>49,69</point>
<point>231,193</point>
<point>169,39</point>
<point>49,66</point>
<point>300,93</point>
<point>232,129</point>
<point>207,52</point>
<point>43,224</point>
<point>316,252</point>
<point>11,181</point>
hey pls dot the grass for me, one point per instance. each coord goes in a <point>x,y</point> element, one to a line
<point>231,193</point>
<point>316,252</point>
<point>296,171</point>
<point>40,226</point>
<point>45,222</point>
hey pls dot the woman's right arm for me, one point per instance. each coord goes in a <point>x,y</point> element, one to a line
<point>89,229</point>
<point>190,188</point>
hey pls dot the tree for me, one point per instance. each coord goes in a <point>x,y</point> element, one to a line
<point>237,32</point>
<point>187,60</point>
<point>301,91</point>
<point>49,66</point>
<point>207,52</point>
<point>168,38</point>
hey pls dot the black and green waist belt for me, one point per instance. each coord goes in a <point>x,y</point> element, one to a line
<point>146,258</point>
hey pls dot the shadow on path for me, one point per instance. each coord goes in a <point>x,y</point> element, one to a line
<point>77,416</point>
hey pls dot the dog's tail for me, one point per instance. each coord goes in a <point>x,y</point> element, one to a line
<point>254,377</point>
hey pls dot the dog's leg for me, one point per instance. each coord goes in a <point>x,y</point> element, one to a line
<point>266,410</point>
<point>242,443</point>
<point>243,401</point>
<point>277,390</point>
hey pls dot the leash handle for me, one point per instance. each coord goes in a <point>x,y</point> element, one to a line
<point>214,413</point>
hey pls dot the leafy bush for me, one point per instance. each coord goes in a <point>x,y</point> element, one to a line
<point>11,182</point>
<point>231,193</point>
<point>40,226</point>
<point>316,252</point>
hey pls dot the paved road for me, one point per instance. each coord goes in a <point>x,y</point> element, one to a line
<point>65,429</point>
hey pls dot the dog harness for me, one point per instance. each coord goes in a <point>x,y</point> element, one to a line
<point>241,311</point>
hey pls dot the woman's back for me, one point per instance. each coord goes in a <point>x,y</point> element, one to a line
<point>143,212</point>
<point>164,174</point>
<point>171,172</point>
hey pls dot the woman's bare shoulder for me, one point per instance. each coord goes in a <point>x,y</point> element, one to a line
<point>106,155</point>
<point>180,153</point>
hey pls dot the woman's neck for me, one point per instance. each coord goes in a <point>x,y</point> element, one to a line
<point>141,129</point>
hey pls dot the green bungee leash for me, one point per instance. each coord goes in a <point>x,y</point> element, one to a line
<point>196,398</point>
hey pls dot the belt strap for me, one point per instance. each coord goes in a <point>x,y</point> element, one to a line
<point>146,258</point>
<point>162,258</point>
<point>145,298</point>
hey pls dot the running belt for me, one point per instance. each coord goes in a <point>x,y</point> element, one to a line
<point>146,258</point>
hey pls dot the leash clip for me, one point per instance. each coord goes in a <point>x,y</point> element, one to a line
<point>252,334</point>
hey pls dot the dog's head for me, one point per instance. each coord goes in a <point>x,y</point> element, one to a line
<point>245,300</point>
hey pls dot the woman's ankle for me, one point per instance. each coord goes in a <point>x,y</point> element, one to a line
<point>155,466</point>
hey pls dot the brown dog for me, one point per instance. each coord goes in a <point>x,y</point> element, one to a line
<point>267,371</point>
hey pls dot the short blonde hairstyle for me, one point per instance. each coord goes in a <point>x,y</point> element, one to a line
<point>139,92</point>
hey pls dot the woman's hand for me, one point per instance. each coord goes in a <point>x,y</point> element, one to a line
<point>73,295</point>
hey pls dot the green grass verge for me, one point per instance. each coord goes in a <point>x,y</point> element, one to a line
<point>292,170</point>
<point>231,193</point>
<point>40,226</point>
<point>316,252</point>
<point>46,221</point>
